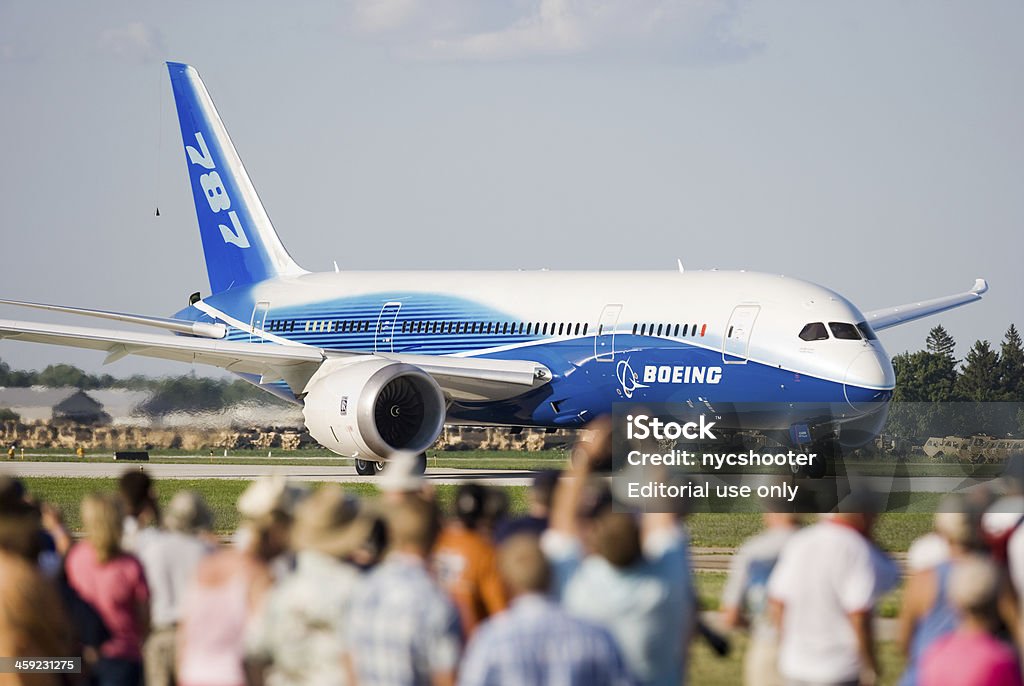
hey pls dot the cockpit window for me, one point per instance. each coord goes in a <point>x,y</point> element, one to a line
<point>844,331</point>
<point>867,331</point>
<point>815,331</point>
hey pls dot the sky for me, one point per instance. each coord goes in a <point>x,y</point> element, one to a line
<point>873,147</point>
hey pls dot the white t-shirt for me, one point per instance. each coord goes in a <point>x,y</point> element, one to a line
<point>825,572</point>
<point>169,559</point>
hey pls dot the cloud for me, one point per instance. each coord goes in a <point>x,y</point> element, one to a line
<point>554,28</point>
<point>704,31</point>
<point>383,15</point>
<point>134,42</point>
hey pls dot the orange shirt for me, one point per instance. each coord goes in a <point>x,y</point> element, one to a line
<point>466,566</point>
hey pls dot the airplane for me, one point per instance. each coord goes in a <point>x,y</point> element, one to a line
<point>381,361</point>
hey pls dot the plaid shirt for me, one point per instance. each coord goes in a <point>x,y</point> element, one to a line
<point>537,642</point>
<point>402,628</point>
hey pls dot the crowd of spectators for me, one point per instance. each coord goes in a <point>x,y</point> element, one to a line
<point>319,586</point>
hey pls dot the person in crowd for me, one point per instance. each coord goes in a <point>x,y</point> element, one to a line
<point>32,619</point>
<point>36,533</point>
<point>170,557</point>
<point>1002,528</point>
<point>539,498</point>
<point>518,646</point>
<point>138,499</point>
<point>402,479</point>
<point>51,540</point>
<point>114,583</point>
<point>230,585</point>
<point>403,629</point>
<point>635,580</point>
<point>464,560</point>
<point>298,638</point>
<point>745,596</point>
<point>971,655</point>
<point>21,532</point>
<point>926,613</point>
<point>496,509</point>
<point>823,591</point>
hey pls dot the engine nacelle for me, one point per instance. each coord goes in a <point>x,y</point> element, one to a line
<point>371,407</point>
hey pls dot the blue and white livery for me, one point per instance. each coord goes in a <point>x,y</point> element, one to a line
<point>381,360</point>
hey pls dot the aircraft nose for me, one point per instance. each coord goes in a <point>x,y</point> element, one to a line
<point>869,380</point>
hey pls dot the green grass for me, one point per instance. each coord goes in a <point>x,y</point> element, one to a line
<point>707,669</point>
<point>220,494</point>
<point>894,531</point>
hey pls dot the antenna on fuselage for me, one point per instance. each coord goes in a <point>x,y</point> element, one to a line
<point>679,263</point>
<point>336,266</point>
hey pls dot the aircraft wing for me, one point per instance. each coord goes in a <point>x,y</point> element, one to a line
<point>901,314</point>
<point>461,377</point>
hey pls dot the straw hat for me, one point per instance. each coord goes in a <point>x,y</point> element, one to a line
<point>331,522</point>
<point>188,513</point>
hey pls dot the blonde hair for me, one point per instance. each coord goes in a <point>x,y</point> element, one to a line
<point>102,521</point>
<point>522,564</point>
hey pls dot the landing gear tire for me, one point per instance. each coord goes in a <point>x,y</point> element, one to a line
<point>421,463</point>
<point>817,468</point>
<point>366,467</point>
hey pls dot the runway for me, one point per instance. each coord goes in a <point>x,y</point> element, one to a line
<point>299,472</point>
<point>440,475</point>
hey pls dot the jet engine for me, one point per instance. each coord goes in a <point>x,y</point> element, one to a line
<point>369,408</point>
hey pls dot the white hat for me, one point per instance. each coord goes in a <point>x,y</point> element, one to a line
<point>402,473</point>
<point>269,494</point>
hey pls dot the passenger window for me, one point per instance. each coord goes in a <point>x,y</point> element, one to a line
<point>586,325</point>
<point>815,331</point>
<point>844,331</point>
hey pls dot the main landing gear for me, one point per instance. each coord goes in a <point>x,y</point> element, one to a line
<point>372,467</point>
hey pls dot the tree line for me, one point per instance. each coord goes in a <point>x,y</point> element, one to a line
<point>167,394</point>
<point>979,394</point>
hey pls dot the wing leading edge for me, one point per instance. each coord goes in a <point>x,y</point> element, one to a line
<point>462,378</point>
<point>901,314</point>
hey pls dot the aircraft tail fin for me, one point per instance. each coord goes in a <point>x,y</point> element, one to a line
<point>239,241</point>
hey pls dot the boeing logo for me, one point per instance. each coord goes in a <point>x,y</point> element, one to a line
<point>627,378</point>
<point>681,374</point>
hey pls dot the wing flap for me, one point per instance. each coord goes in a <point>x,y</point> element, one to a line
<point>901,314</point>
